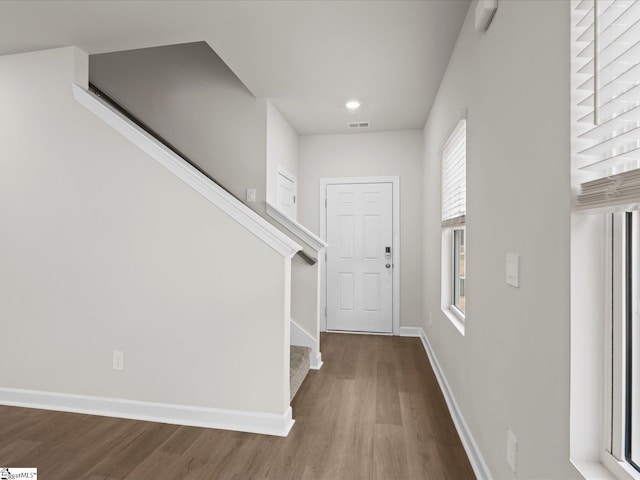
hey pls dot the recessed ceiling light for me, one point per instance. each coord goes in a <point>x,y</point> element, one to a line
<point>353,104</point>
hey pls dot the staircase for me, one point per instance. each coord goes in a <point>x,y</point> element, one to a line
<point>298,367</point>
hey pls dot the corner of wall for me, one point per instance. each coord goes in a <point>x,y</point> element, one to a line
<point>81,68</point>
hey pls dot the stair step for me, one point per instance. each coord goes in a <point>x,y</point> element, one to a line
<point>298,367</point>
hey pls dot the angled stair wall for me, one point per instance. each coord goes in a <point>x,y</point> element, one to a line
<point>189,96</point>
<point>109,250</point>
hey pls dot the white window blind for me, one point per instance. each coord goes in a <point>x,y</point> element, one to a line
<point>607,60</point>
<point>454,177</point>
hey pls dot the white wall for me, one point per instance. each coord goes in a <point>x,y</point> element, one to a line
<point>366,155</point>
<point>304,296</point>
<point>511,368</point>
<point>102,248</point>
<point>282,149</point>
<point>189,96</point>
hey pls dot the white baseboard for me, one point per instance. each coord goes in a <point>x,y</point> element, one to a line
<point>316,362</point>
<point>299,336</point>
<point>478,464</point>
<point>410,332</point>
<point>243,421</point>
<point>351,332</point>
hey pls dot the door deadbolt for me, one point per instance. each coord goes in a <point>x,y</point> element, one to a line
<point>388,265</point>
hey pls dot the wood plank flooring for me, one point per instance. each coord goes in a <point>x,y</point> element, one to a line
<point>374,411</point>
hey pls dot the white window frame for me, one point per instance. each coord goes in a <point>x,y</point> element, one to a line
<point>601,169</point>
<point>614,435</point>
<point>449,226</point>
<point>454,271</point>
<point>455,316</point>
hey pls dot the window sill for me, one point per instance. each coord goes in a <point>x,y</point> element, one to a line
<point>618,469</point>
<point>608,468</point>
<point>456,319</point>
<point>592,470</point>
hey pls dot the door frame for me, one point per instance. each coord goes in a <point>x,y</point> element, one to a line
<point>395,182</point>
<point>280,170</point>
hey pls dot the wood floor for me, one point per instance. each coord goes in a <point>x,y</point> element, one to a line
<point>374,411</point>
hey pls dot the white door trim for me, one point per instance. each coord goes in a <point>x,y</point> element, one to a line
<point>281,171</point>
<point>395,181</point>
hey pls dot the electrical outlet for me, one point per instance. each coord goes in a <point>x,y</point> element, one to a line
<point>118,360</point>
<point>251,194</point>
<point>430,319</point>
<point>512,450</point>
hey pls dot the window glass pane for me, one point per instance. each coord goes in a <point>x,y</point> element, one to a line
<point>458,270</point>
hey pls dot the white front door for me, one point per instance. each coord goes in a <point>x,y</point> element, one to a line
<point>359,257</point>
<point>287,191</point>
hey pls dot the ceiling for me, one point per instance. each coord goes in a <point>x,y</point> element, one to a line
<point>308,57</point>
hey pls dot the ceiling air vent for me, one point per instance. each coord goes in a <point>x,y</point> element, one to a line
<point>359,124</point>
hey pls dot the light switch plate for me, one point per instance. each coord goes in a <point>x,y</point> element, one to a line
<point>118,360</point>
<point>513,269</point>
<point>251,194</point>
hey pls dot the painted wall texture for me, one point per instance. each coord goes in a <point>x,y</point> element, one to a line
<point>366,155</point>
<point>103,249</point>
<point>510,370</point>
<point>188,95</point>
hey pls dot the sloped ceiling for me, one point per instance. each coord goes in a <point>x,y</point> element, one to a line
<point>308,57</point>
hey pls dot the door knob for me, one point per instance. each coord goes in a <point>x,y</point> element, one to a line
<point>388,265</point>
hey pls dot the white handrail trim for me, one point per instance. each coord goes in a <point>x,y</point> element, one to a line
<point>230,205</point>
<point>296,228</point>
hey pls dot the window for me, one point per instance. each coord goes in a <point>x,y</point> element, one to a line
<point>622,339</point>
<point>606,166</point>
<point>606,86</point>
<point>454,207</point>
<point>458,270</point>
<point>454,177</point>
